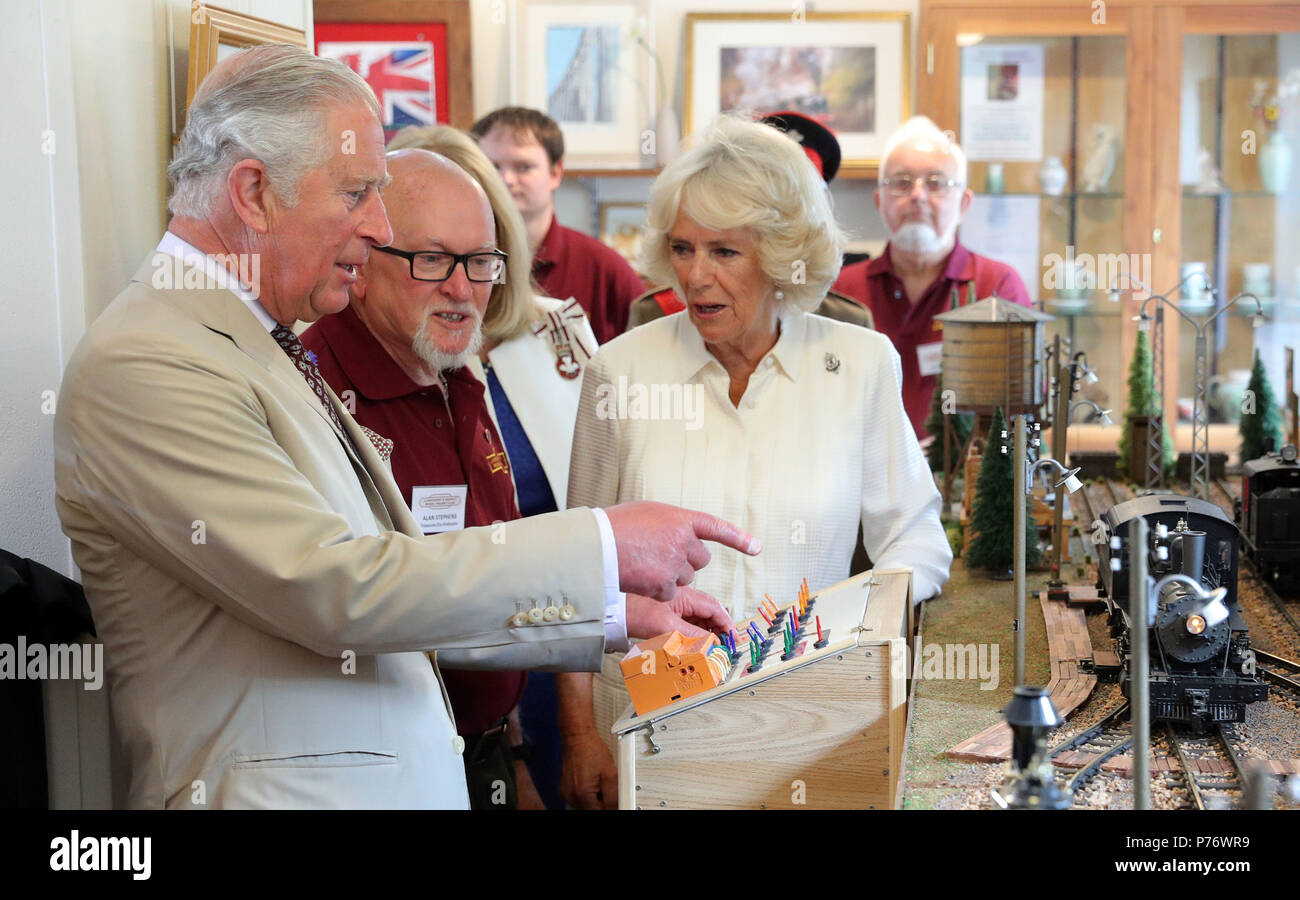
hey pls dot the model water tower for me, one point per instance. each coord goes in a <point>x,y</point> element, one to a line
<point>992,357</point>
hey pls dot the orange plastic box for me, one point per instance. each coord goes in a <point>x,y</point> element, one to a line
<point>669,667</point>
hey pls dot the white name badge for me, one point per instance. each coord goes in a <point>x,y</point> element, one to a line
<point>439,508</point>
<point>930,358</point>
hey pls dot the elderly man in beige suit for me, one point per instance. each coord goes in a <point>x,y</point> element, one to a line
<point>261,588</point>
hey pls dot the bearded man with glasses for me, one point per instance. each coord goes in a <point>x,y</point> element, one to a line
<point>397,355</point>
<point>924,270</point>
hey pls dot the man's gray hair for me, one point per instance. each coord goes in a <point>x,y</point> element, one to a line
<point>267,103</point>
<point>922,129</point>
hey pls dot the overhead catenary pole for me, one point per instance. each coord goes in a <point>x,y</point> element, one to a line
<point>1200,480</point>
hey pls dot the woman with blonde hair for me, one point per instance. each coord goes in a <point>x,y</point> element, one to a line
<point>796,429</point>
<point>534,352</point>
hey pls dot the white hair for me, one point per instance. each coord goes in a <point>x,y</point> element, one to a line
<point>741,174</point>
<point>267,103</point>
<point>922,130</point>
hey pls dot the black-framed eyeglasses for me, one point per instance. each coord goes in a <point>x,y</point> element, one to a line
<point>934,184</point>
<point>429,265</point>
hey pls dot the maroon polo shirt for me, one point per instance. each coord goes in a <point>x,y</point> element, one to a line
<point>432,446</point>
<point>568,264</point>
<point>874,284</point>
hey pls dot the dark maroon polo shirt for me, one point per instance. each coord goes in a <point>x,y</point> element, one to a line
<point>432,446</point>
<point>568,264</point>
<point>874,284</point>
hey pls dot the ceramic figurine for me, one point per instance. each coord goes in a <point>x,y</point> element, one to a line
<point>1101,159</point>
<point>1210,182</point>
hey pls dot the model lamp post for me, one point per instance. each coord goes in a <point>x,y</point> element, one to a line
<point>1024,483</point>
<point>1031,784</point>
<point>1086,373</point>
<point>1103,413</point>
<point>1063,387</point>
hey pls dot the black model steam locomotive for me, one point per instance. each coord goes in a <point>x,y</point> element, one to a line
<point>1202,671</point>
<point>1269,515</point>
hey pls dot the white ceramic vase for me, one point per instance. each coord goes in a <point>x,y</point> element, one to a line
<point>1275,163</point>
<point>1052,176</point>
<point>668,136</point>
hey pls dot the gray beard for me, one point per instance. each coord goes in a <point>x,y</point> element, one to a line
<point>921,238</point>
<point>436,360</point>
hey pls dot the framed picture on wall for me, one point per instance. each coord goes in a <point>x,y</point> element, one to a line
<point>850,71</point>
<point>216,33</point>
<point>414,54</point>
<point>589,67</point>
<point>622,226</point>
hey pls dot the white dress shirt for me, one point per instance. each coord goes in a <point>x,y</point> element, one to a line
<point>819,442</point>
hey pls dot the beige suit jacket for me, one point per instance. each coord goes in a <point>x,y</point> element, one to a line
<point>262,590</point>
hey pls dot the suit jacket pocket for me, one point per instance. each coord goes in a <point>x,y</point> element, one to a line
<point>314,760</point>
<point>346,779</point>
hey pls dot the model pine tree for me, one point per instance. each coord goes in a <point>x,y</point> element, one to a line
<point>961,429</point>
<point>1143,400</point>
<point>1264,423</point>
<point>992,520</point>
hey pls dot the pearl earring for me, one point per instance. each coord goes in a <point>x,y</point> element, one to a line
<point>780,294</point>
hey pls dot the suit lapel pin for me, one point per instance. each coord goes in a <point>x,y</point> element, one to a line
<point>832,363</point>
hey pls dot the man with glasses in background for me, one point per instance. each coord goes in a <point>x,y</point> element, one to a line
<point>924,270</point>
<point>397,357</point>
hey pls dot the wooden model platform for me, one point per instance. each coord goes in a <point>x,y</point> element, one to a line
<point>1070,651</point>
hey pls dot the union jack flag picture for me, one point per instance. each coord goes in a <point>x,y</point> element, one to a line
<point>403,73</point>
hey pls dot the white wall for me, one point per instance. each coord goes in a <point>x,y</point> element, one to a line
<point>123,103</point>
<point>41,310</point>
<point>576,203</point>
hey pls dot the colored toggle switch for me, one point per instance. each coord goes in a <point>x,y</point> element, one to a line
<point>822,640</point>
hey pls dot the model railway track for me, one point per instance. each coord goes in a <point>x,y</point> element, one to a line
<point>1103,741</point>
<point>1209,763</point>
<point>1111,722</point>
<point>1230,492</point>
<point>1278,671</point>
<point>1279,604</point>
<point>1109,486</point>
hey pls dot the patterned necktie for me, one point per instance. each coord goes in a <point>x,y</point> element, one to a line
<point>306,366</point>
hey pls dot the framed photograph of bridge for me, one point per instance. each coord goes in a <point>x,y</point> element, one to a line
<point>588,66</point>
<point>848,70</point>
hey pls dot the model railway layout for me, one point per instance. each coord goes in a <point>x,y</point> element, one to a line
<point>1203,682</point>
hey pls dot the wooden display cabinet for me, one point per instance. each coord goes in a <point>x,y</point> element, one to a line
<point>1139,67</point>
